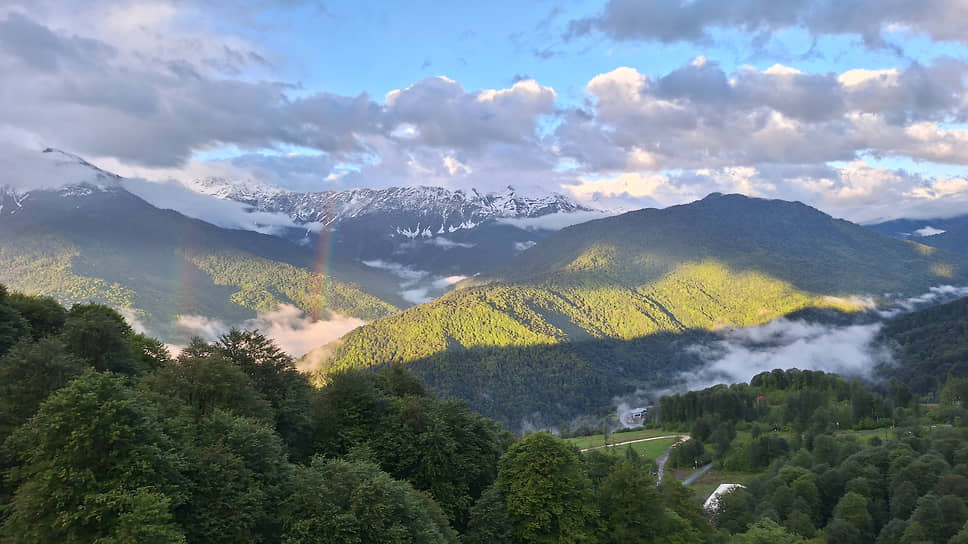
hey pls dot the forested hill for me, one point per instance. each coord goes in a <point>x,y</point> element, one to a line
<point>103,244</point>
<point>949,233</point>
<point>106,438</point>
<point>930,346</point>
<point>724,260</point>
<point>787,241</point>
<point>824,459</point>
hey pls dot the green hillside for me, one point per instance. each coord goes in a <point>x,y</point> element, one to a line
<point>722,261</point>
<point>111,247</point>
<point>930,346</point>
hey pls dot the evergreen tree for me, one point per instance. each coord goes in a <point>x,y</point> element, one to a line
<point>237,475</point>
<point>13,326</point>
<point>489,522</point>
<point>852,509</point>
<point>274,375</point>
<point>545,491</point>
<point>94,467</point>
<point>44,314</point>
<point>347,502</point>
<point>100,336</point>
<point>767,531</point>
<point>29,373</point>
<point>205,381</point>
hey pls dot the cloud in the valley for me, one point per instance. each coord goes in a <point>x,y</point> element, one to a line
<point>224,213</point>
<point>554,221</point>
<point>743,353</point>
<point>291,329</point>
<point>929,231</point>
<point>852,350</point>
<point>446,243</point>
<point>416,286</point>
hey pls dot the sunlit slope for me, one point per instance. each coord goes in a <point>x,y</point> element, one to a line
<point>112,247</point>
<point>724,260</point>
<point>788,241</point>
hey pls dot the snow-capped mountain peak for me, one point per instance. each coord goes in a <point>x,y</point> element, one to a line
<point>242,190</point>
<point>76,171</point>
<point>52,170</point>
<point>410,212</point>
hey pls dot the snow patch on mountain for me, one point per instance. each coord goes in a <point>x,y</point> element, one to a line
<point>413,212</point>
<point>11,200</point>
<point>26,170</point>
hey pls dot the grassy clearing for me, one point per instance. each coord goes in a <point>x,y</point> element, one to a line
<point>595,440</point>
<point>708,482</point>
<point>865,436</point>
<point>651,449</point>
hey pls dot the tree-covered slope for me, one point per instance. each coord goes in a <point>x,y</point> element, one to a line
<point>109,246</point>
<point>788,241</point>
<point>951,233</point>
<point>722,261</point>
<point>106,438</point>
<point>929,346</point>
<point>725,260</point>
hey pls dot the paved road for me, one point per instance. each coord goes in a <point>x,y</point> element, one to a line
<point>661,461</point>
<point>681,437</point>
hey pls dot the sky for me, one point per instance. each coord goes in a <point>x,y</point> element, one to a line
<point>858,107</point>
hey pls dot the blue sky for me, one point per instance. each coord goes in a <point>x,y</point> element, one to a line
<point>857,107</point>
<point>352,47</point>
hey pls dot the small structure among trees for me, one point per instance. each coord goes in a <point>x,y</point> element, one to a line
<point>712,502</point>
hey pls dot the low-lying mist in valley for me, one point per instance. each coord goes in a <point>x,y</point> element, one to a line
<point>416,286</point>
<point>849,345</point>
<point>742,353</point>
<point>853,349</point>
<point>292,330</point>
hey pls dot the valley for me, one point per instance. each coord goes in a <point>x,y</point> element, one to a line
<point>584,272</point>
<point>604,308</point>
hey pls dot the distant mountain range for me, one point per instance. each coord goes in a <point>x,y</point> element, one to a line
<point>544,323</point>
<point>88,234</point>
<point>93,240</point>
<point>409,212</point>
<point>429,228</point>
<point>726,260</point>
<point>950,233</point>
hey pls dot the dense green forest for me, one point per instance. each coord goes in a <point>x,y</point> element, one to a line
<point>953,235</point>
<point>107,438</point>
<point>931,346</point>
<point>723,261</point>
<point>833,460</point>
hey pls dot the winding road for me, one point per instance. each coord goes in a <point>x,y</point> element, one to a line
<point>662,459</point>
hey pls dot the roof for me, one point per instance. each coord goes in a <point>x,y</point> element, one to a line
<point>712,503</point>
